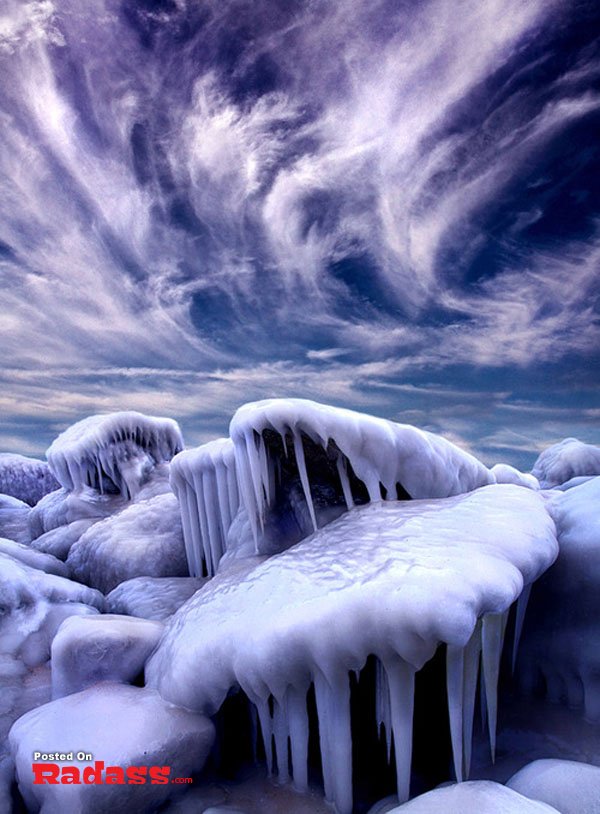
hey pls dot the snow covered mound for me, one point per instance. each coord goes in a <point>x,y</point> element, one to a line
<point>121,727</point>
<point>508,474</point>
<point>571,787</point>
<point>58,541</point>
<point>113,453</point>
<point>14,519</point>
<point>568,459</point>
<point>152,597</point>
<point>393,579</point>
<point>204,481</point>
<point>25,478</point>
<point>561,653</point>
<point>33,558</point>
<point>89,649</point>
<point>475,797</point>
<point>145,539</point>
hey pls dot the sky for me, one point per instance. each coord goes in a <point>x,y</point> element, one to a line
<point>387,206</point>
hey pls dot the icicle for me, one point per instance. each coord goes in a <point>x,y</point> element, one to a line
<point>301,462</point>
<point>264,470</point>
<point>382,706</point>
<point>519,619</point>
<point>472,658</point>
<point>244,478</point>
<point>187,531</point>
<point>254,730</point>
<point>225,517</point>
<point>280,731</point>
<point>492,636</point>
<point>344,480</point>
<point>266,726</point>
<point>298,727</point>
<point>335,735</point>
<point>197,548</point>
<point>212,517</point>
<point>455,666</point>
<point>401,681</point>
<point>256,475</point>
<point>232,492</point>
<point>197,502</point>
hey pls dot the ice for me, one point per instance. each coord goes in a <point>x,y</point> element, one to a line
<point>568,459</point>
<point>113,453</point>
<point>569,786</point>
<point>88,649</point>
<point>25,478</point>
<point>59,540</point>
<point>152,597</point>
<point>145,539</point>
<point>392,579</point>
<point>35,559</point>
<point>14,519</point>
<point>508,474</point>
<point>473,797</point>
<point>204,481</point>
<point>560,653</point>
<point>327,449</point>
<point>121,726</point>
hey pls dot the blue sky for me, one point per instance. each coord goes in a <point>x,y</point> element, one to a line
<point>389,206</point>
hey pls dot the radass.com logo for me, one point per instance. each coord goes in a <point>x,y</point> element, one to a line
<point>56,768</point>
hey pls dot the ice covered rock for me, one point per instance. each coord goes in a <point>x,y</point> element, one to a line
<point>474,797</point>
<point>569,786</point>
<point>33,558</point>
<point>568,459</point>
<point>299,465</point>
<point>25,478</point>
<point>58,541</point>
<point>152,597</point>
<point>145,539</point>
<point>392,579</point>
<point>508,474</point>
<point>561,654</point>
<point>88,649</point>
<point>114,453</point>
<point>122,727</point>
<point>14,519</point>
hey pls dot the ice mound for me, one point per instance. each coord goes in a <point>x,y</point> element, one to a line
<point>474,797</point>
<point>561,656</point>
<point>504,473</point>
<point>152,597</point>
<point>121,727</point>
<point>35,559</point>
<point>58,541</point>
<point>568,459</point>
<point>114,453</point>
<point>145,539</point>
<point>88,649</point>
<point>25,478</point>
<point>298,465</point>
<point>14,519</point>
<point>392,579</point>
<point>571,787</point>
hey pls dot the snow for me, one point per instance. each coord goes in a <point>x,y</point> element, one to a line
<point>35,559</point>
<point>113,453</point>
<point>145,539</point>
<point>14,519</point>
<point>88,649</point>
<point>25,478</point>
<point>59,540</point>
<point>152,597</point>
<point>508,474</point>
<point>121,726</point>
<point>561,640</point>
<point>568,459</point>
<point>393,579</point>
<point>569,786</point>
<point>204,481</point>
<point>474,797</point>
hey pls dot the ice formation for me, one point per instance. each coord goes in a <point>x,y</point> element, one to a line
<point>88,649</point>
<point>14,519</point>
<point>562,657</point>
<point>120,726</point>
<point>145,539</point>
<point>113,453</point>
<point>298,465</point>
<point>474,797</point>
<point>58,541</point>
<point>568,459</point>
<point>25,478</point>
<point>204,481</point>
<point>33,558</point>
<point>392,579</point>
<point>152,597</point>
<point>569,786</point>
<point>503,473</point>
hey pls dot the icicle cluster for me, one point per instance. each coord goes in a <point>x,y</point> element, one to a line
<point>204,481</point>
<point>113,451</point>
<point>382,454</point>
